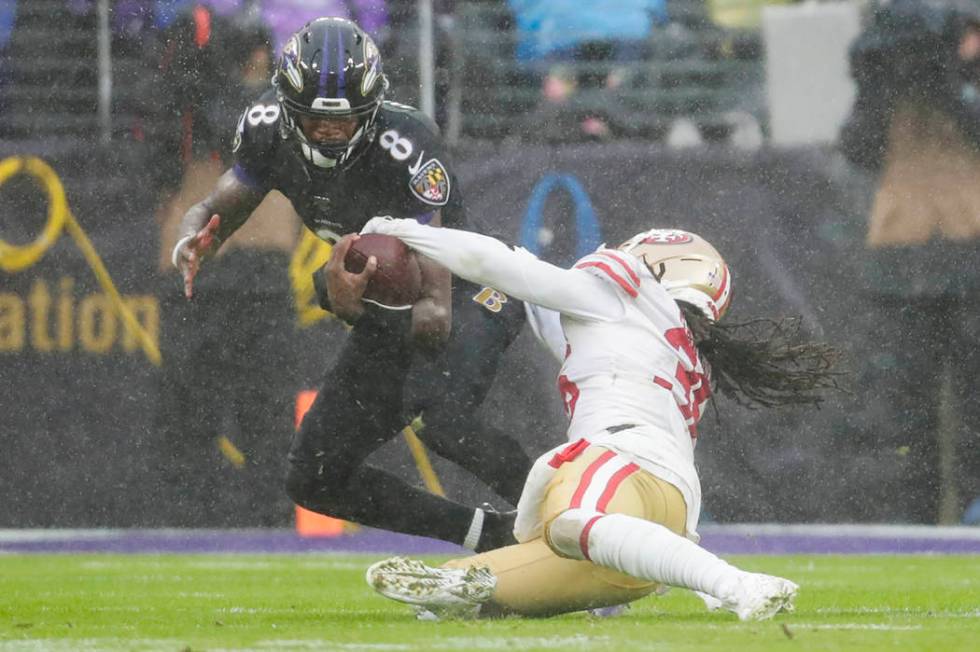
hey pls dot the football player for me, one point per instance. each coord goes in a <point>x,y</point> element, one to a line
<point>612,516</point>
<point>326,138</point>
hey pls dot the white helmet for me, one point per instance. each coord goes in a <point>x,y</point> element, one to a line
<point>687,266</point>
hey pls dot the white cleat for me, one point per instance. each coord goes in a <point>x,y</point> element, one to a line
<point>710,601</point>
<point>760,597</point>
<point>435,592</point>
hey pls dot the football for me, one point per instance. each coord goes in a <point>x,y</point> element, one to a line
<point>397,282</point>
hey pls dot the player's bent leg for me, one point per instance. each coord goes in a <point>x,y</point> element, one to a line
<point>450,394</point>
<point>376,498</point>
<point>649,551</point>
<point>533,581</point>
<point>357,411</point>
<point>455,433</point>
<point>608,511</point>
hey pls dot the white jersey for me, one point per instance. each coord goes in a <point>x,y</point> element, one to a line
<point>640,369</point>
<point>629,357</point>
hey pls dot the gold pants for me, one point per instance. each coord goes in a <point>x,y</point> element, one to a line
<point>534,581</point>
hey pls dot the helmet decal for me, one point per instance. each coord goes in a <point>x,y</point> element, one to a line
<point>237,143</point>
<point>290,64</point>
<point>667,237</point>
<point>372,61</point>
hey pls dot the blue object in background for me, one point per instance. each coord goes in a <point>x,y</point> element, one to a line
<point>588,234</point>
<point>546,26</point>
<point>166,11</point>
<point>8,14</point>
<point>972,514</point>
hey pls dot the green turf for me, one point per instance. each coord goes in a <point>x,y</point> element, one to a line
<point>320,602</point>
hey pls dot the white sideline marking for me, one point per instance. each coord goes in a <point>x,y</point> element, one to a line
<point>93,644</point>
<point>453,643</point>
<point>291,563</point>
<point>517,643</point>
<point>871,626</point>
<point>169,645</point>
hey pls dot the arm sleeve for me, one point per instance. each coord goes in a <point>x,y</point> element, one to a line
<point>546,325</point>
<point>517,273</point>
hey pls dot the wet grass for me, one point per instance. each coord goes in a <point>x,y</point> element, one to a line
<point>321,602</point>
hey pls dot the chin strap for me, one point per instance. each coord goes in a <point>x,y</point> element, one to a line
<point>316,158</point>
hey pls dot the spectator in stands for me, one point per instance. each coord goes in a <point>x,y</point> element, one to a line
<point>283,17</point>
<point>224,417</point>
<point>286,16</point>
<point>8,12</point>
<point>571,42</point>
<point>916,122</point>
<point>557,28</point>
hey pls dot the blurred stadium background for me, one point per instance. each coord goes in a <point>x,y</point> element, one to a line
<point>722,120</point>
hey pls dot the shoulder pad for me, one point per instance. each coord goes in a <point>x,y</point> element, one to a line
<point>614,267</point>
<point>257,126</point>
<point>412,140</point>
<point>411,112</point>
<point>256,138</point>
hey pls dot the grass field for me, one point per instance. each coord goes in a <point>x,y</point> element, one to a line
<point>184,603</point>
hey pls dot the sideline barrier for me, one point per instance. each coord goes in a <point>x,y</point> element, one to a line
<point>17,258</point>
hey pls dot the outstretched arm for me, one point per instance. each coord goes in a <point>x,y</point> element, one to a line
<point>517,273</point>
<point>210,222</point>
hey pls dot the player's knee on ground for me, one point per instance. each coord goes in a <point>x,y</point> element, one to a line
<point>568,533</point>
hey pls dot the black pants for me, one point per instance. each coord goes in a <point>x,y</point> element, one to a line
<point>228,376</point>
<point>363,404</point>
<point>920,341</point>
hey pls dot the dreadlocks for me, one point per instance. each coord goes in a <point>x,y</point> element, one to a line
<point>763,361</point>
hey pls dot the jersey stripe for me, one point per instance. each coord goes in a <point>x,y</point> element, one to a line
<point>600,481</point>
<point>586,479</point>
<point>724,294</point>
<point>613,485</point>
<point>583,539</point>
<point>666,384</point>
<point>622,263</point>
<point>630,290</point>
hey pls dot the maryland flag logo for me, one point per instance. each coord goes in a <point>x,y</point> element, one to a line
<point>431,183</point>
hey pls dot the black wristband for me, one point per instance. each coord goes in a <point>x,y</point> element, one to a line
<point>320,288</point>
